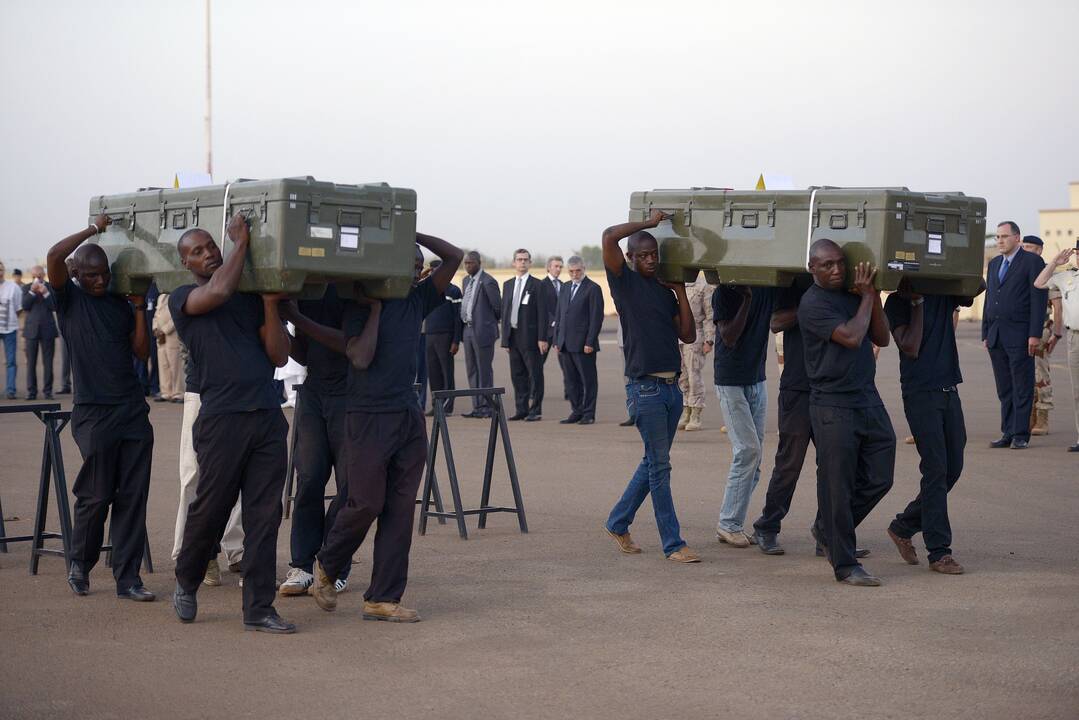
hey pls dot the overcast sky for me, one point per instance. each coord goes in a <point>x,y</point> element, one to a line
<point>529,124</point>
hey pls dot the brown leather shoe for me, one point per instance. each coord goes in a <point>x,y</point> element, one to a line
<point>685,555</point>
<point>625,542</point>
<point>389,612</point>
<point>947,565</point>
<point>905,547</point>
<point>323,590</point>
<point>734,539</point>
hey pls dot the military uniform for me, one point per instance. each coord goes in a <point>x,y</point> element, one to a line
<point>1043,387</point>
<point>689,381</point>
<point>1066,282</point>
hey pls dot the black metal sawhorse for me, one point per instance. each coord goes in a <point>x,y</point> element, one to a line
<point>52,466</point>
<point>440,429</point>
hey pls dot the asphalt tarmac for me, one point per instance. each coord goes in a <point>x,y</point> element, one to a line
<point>557,623</point>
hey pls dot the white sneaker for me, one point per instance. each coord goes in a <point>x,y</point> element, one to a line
<point>340,585</point>
<point>296,582</point>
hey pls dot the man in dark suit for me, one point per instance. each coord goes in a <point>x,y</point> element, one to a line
<point>1012,320</point>
<point>526,334</point>
<point>442,330</point>
<point>552,283</point>
<point>481,309</point>
<point>580,317</point>
<point>40,333</point>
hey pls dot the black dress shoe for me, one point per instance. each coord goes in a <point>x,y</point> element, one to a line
<point>768,543</point>
<point>860,578</point>
<point>185,604</point>
<point>587,421</point>
<point>430,413</point>
<point>628,422</point>
<point>64,391</point>
<point>1073,448</point>
<point>31,396</point>
<point>517,416</point>
<point>822,550</point>
<point>534,418</point>
<point>48,396</point>
<point>1005,441</point>
<point>78,581</point>
<point>137,593</point>
<point>570,420</point>
<point>1018,444</point>
<point>272,623</point>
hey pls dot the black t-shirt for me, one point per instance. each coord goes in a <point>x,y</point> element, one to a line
<point>838,376</point>
<point>646,311</point>
<point>744,363</point>
<point>937,364</point>
<point>231,368</point>
<point>794,376</point>
<point>387,385</point>
<point>98,331</point>
<point>327,370</point>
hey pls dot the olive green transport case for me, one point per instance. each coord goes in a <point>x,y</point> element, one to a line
<point>304,234</point>
<point>762,237</point>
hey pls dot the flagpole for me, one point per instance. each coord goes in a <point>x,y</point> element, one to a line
<point>209,101</point>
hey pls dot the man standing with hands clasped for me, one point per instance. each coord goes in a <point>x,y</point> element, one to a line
<point>110,418</point>
<point>579,320</point>
<point>851,429</point>
<point>653,320</point>
<point>240,437</point>
<point>1012,320</point>
<point>526,331</point>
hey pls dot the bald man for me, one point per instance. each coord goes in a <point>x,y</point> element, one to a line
<point>235,340</point>
<point>109,420</point>
<point>851,429</point>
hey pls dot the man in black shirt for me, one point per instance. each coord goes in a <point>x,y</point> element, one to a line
<point>852,431</point>
<point>109,420</point>
<point>741,315</point>
<point>235,340</point>
<point>653,320</point>
<point>929,376</point>
<point>387,439</point>
<point>443,330</point>
<point>320,431</point>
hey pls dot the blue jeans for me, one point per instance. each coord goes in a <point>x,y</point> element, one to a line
<point>11,339</point>
<point>658,407</point>
<point>743,410</point>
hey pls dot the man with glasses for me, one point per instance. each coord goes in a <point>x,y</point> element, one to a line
<point>1012,320</point>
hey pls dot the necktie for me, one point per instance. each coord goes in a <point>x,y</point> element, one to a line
<point>517,285</point>
<point>573,292</point>
<point>470,295</point>
<point>1003,270</point>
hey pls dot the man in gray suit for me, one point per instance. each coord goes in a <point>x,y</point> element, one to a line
<point>481,311</point>
<point>39,331</point>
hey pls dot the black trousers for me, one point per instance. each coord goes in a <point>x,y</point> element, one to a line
<point>795,434</point>
<point>116,443</point>
<point>243,455</point>
<point>582,383</point>
<point>479,364</point>
<point>940,433</point>
<point>48,350</point>
<point>440,364</point>
<point>1013,371</point>
<point>386,456</point>
<point>855,467</point>
<point>526,372</point>
<point>320,449</point>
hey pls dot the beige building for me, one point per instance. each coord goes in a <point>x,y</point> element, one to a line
<point>1059,229</point>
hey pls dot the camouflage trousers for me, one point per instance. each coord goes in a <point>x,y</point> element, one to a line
<point>1043,387</point>
<point>689,382</point>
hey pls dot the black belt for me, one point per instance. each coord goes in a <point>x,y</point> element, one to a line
<point>667,380</point>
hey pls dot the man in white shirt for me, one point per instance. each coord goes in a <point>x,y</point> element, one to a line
<point>10,307</point>
<point>526,334</point>
<point>1066,282</point>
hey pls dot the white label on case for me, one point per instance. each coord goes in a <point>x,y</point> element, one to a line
<point>323,233</point>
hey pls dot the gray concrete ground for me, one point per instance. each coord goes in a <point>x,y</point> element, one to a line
<point>557,623</point>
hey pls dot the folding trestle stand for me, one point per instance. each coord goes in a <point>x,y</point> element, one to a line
<point>440,430</point>
<point>52,468</point>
